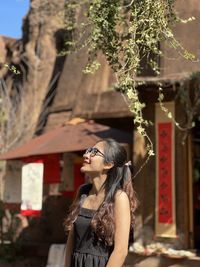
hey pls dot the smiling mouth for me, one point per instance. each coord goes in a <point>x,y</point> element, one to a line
<point>86,162</point>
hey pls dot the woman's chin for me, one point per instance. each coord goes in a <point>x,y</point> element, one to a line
<point>83,169</point>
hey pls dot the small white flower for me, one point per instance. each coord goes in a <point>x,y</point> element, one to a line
<point>169,115</point>
<point>131,94</point>
<point>151,152</point>
<point>140,130</point>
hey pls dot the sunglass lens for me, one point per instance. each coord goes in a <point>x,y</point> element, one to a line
<point>95,151</point>
<point>92,150</point>
<point>89,150</point>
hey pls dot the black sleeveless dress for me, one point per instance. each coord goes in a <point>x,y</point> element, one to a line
<point>88,251</point>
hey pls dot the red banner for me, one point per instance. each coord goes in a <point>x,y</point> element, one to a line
<point>165,201</point>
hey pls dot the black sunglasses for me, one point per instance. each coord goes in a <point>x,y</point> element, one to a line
<point>93,151</point>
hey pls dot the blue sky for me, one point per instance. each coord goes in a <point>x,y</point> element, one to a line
<point>11,15</point>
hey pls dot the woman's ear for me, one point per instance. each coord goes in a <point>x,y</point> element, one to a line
<point>108,165</point>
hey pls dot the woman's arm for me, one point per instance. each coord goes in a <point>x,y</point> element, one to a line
<point>69,248</point>
<point>122,229</point>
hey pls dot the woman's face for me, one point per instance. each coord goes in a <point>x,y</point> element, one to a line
<point>94,161</point>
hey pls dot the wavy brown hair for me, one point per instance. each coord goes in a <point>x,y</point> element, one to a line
<point>119,178</point>
<point>75,207</point>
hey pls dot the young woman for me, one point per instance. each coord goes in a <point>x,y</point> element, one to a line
<point>102,215</point>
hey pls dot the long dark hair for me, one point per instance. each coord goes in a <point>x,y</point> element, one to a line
<point>119,178</point>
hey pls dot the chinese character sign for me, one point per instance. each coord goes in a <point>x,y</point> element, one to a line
<point>32,188</point>
<point>165,225</point>
<point>165,172</point>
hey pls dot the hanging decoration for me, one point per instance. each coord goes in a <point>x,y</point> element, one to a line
<point>165,176</point>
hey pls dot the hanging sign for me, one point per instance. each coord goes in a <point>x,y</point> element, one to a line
<point>165,214</point>
<point>165,177</point>
<point>32,189</point>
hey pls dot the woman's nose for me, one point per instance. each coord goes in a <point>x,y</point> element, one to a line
<point>86,155</point>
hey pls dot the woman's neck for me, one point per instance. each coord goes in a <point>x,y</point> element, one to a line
<point>97,183</point>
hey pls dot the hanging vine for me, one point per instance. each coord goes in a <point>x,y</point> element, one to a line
<point>11,68</point>
<point>126,31</point>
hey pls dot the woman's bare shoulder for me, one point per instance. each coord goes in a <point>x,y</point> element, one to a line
<point>121,196</point>
<point>121,204</point>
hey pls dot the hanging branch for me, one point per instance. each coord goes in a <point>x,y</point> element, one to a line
<point>125,31</point>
